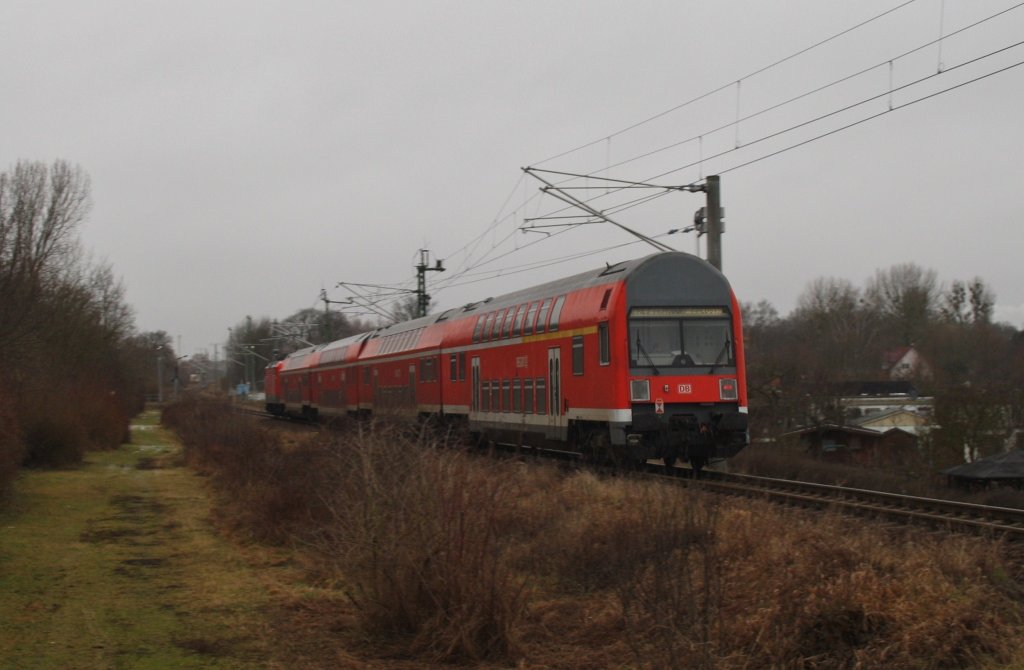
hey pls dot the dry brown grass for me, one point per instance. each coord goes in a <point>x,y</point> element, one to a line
<point>447,557</point>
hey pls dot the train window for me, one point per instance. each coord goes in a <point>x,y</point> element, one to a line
<point>542,317</point>
<point>366,374</point>
<point>510,317</point>
<point>495,396</point>
<point>485,397</point>
<point>452,370</point>
<point>517,395</point>
<point>506,391</point>
<point>499,318</point>
<point>604,349</point>
<point>528,396</point>
<point>462,366</point>
<point>542,395</point>
<point>577,355</point>
<point>478,329</point>
<point>517,328</point>
<point>488,326</point>
<point>556,313</point>
<point>684,337</point>
<point>604,300</point>
<point>531,316</point>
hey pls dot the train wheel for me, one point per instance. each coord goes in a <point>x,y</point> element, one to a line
<point>698,463</point>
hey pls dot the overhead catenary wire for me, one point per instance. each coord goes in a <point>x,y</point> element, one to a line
<point>725,87</point>
<point>819,118</point>
<point>886,63</point>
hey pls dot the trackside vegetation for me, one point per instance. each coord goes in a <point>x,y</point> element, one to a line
<point>71,367</point>
<point>423,554</point>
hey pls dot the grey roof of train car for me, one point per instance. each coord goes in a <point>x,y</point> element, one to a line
<point>611,272</point>
<point>596,277</point>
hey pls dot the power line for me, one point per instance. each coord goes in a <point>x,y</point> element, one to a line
<point>729,85</point>
<point>875,116</point>
<point>819,118</point>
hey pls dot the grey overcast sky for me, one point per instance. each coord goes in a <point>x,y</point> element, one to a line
<point>244,155</point>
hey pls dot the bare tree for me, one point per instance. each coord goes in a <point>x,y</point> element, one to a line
<point>906,295</point>
<point>407,309</point>
<point>40,210</point>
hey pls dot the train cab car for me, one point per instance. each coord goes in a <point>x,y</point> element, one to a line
<point>687,376</point>
<point>638,360</point>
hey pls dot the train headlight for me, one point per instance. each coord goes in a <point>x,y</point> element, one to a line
<point>640,389</point>
<point>727,389</point>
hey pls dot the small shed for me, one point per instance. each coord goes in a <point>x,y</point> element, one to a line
<point>1000,470</point>
<point>885,445</point>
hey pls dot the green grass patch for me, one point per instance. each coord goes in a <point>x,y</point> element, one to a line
<point>115,565</point>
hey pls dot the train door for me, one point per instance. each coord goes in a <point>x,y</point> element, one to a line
<point>474,401</point>
<point>556,412</point>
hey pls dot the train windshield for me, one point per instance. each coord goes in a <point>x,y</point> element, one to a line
<point>675,340</point>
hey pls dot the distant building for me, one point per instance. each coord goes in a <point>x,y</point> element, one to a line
<point>883,423</point>
<point>905,363</point>
<point>863,399</point>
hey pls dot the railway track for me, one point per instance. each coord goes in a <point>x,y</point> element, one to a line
<point>946,515</point>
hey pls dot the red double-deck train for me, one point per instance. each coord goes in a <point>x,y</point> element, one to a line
<point>638,360</point>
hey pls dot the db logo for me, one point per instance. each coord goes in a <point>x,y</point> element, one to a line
<point>659,406</point>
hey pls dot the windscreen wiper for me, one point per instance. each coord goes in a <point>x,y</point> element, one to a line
<point>640,350</point>
<point>718,358</point>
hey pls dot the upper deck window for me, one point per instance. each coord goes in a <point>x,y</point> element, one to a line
<point>531,316</point>
<point>542,317</point>
<point>510,317</point>
<point>478,329</point>
<point>556,313</point>
<point>666,340</point>
<point>496,332</point>
<point>517,329</point>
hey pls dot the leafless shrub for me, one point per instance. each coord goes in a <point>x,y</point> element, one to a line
<point>419,534</point>
<point>54,436</point>
<point>826,593</point>
<point>270,491</point>
<point>654,548</point>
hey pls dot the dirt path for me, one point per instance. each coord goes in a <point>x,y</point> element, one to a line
<point>116,565</point>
